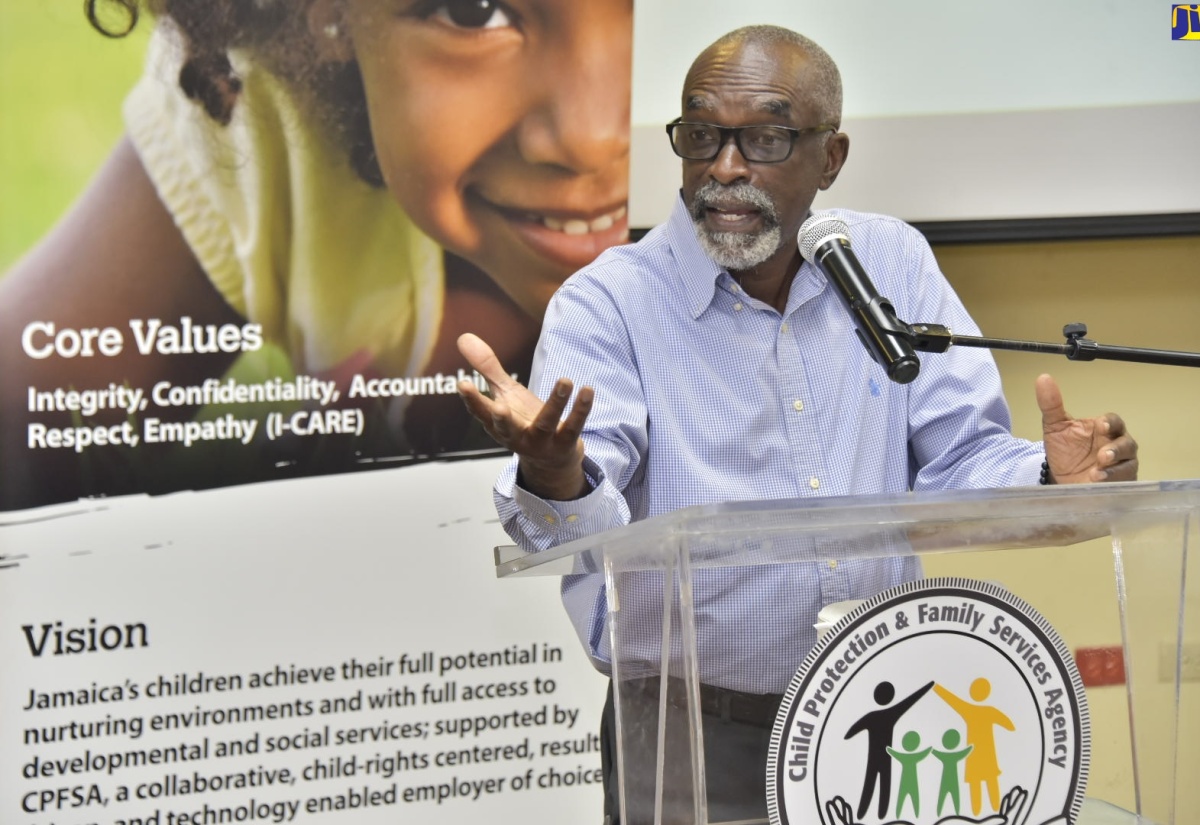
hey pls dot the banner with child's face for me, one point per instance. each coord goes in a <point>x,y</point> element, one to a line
<point>236,250</point>
<point>308,206</point>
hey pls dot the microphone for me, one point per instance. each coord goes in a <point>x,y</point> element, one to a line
<point>825,243</point>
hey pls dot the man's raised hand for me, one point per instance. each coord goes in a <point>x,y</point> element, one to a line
<point>1083,450</point>
<point>547,444</point>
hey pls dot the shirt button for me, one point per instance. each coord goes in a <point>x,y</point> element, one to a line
<point>738,306</point>
<point>550,519</point>
<point>572,518</point>
<point>833,564</point>
<point>814,482</point>
<point>783,327</point>
<point>798,405</point>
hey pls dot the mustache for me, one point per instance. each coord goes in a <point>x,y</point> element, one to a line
<point>714,195</point>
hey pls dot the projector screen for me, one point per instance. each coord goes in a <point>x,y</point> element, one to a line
<point>964,112</point>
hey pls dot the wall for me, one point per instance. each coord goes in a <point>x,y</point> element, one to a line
<point>1137,293</point>
<point>958,111</point>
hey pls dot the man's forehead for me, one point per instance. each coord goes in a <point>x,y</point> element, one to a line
<point>753,80</point>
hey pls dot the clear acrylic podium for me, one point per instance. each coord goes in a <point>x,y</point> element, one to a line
<point>1107,565</point>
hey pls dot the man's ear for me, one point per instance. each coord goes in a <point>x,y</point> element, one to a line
<point>329,32</point>
<point>837,148</point>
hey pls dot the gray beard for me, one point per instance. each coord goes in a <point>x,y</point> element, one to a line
<point>736,250</point>
<point>739,251</point>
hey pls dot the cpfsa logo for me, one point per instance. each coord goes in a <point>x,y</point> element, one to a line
<point>941,702</point>
<point>1185,22</point>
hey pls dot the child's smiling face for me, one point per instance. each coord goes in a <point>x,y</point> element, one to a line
<point>502,129</point>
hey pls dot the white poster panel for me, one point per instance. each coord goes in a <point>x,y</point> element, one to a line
<point>331,649</point>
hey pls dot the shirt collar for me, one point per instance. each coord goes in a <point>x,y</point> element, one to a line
<point>698,273</point>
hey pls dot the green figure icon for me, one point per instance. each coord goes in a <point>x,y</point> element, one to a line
<point>908,759</point>
<point>983,767</point>
<point>950,759</point>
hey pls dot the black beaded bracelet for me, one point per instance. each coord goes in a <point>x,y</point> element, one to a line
<point>1044,478</point>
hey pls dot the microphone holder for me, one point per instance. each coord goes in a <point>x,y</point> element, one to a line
<point>937,338</point>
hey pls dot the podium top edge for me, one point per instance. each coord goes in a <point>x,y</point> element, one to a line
<point>1094,506</point>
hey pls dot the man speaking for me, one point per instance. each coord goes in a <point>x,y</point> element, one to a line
<point>715,365</point>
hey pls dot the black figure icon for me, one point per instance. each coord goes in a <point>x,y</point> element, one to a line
<point>879,725</point>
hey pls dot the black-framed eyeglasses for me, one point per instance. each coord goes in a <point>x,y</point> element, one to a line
<point>758,144</point>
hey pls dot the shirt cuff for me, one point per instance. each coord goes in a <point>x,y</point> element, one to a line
<point>567,520</point>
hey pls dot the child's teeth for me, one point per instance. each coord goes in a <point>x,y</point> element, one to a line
<point>575,226</point>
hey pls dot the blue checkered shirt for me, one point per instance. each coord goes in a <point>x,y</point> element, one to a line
<point>704,394</point>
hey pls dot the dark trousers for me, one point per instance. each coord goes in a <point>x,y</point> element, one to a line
<point>737,735</point>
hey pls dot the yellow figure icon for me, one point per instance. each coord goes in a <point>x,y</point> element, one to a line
<point>981,766</point>
<point>1185,22</point>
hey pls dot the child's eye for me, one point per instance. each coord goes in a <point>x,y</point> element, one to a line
<point>472,14</point>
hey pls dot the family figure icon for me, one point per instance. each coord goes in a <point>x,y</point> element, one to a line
<point>981,765</point>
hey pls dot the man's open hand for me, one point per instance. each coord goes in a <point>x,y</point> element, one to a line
<point>547,444</point>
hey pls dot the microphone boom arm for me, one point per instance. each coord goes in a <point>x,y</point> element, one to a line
<point>938,338</point>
